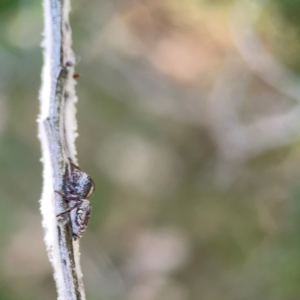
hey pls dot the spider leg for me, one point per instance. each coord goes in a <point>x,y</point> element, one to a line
<point>70,186</point>
<point>71,176</point>
<point>68,182</point>
<point>73,166</point>
<point>68,197</point>
<point>70,209</point>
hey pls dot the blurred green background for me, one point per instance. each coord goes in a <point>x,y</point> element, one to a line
<point>189,123</point>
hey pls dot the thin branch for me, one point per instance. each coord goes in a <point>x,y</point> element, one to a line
<point>238,142</point>
<point>57,125</point>
<point>244,15</point>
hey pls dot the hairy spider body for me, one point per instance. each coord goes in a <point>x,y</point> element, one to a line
<point>80,218</point>
<point>78,188</point>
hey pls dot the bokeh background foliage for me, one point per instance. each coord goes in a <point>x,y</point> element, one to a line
<point>192,201</point>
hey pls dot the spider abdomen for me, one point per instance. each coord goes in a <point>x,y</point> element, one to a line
<point>80,218</point>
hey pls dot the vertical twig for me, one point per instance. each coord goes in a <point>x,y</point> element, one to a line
<point>57,125</point>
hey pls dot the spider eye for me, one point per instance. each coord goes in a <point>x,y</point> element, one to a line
<point>91,187</point>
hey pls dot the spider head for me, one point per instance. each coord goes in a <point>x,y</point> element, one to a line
<point>82,184</point>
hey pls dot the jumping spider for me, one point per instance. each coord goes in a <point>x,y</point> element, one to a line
<point>78,188</point>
